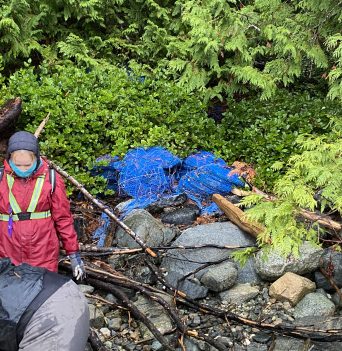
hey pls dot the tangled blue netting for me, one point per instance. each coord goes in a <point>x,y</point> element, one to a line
<point>149,174</point>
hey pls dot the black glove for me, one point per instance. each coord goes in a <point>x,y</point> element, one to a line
<point>77,266</point>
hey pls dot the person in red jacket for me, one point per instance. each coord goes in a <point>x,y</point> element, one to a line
<point>33,218</point>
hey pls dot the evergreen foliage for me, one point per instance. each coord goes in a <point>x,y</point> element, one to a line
<point>314,174</point>
<point>110,110</point>
<point>83,61</point>
<point>221,48</point>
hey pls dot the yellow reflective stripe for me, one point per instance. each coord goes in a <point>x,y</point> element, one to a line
<point>40,215</point>
<point>13,202</point>
<point>34,215</point>
<point>36,193</point>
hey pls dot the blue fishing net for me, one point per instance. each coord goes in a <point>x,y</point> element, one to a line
<point>202,182</point>
<point>101,232</point>
<point>148,174</point>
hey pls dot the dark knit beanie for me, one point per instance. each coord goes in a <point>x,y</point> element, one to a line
<point>23,141</point>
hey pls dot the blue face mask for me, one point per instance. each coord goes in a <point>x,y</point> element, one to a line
<point>20,173</point>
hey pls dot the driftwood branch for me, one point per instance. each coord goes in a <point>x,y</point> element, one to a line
<point>324,221</point>
<point>41,126</point>
<point>119,294</point>
<point>123,250</point>
<point>289,330</point>
<point>237,216</point>
<point>95,341</point>
<point>100,278</point>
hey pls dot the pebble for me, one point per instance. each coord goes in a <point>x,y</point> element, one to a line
<point>105,332</point>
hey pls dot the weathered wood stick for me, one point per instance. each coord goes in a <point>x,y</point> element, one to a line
<point>237,216</point>
<point>283,329</point>
<point>153,294</point>
<point>135,311</point>
<point>109,250</point>
<point>102,207</point>
<point>322,220</point>
<point>41,126</point>
<point>124,250</point>
<point>95,341</point>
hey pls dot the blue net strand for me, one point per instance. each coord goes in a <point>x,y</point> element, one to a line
<point>149,174</point>
<point>105,167</point>
<point>101,232</point>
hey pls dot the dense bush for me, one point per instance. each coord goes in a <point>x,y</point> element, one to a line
<point>313,181</point>
<point>263,132</point>
<point>107,110</point>
<point>218,47</point>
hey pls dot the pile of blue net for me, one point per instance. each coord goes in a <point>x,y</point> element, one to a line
<point>150,174</point>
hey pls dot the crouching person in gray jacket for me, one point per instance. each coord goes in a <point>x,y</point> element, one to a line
<point>40,310</point>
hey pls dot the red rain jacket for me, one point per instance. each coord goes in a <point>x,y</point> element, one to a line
<point>36,241</point>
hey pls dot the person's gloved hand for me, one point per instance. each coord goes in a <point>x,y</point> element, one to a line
<point>77,266</point>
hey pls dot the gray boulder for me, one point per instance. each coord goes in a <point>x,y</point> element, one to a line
<point>191,286</point>
<point>220,277</point>
<point>324,323</point>
<point>184,262</point>
<point>155,313</point>
<point>96,317</point>
<point>149,229</point>
<point>239,294</point>
<point>181,216</point>
<point>284,343</point>
<point>274,265</point>
<point>314,305</point>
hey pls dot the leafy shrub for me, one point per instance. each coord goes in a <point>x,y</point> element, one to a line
<point>108,110</point>
<point>317,168</point>
<point>217,47</point>
<point>105,110</point>
<point>264,132</point>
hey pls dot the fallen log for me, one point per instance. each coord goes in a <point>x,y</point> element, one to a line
<point>9,115</point>
<point>323,220</point>
<point>237,216</point>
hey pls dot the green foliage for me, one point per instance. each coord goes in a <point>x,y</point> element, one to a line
<point>220,48</point>
<point>108,110</point>
<point>229,47</point>
<point>243,255</point>
<point>105,110</point>
<point>318,168</point>
<point>335,75</point>
<point>264,132</point>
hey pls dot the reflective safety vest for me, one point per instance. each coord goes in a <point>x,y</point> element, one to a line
<point>16,214</point>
